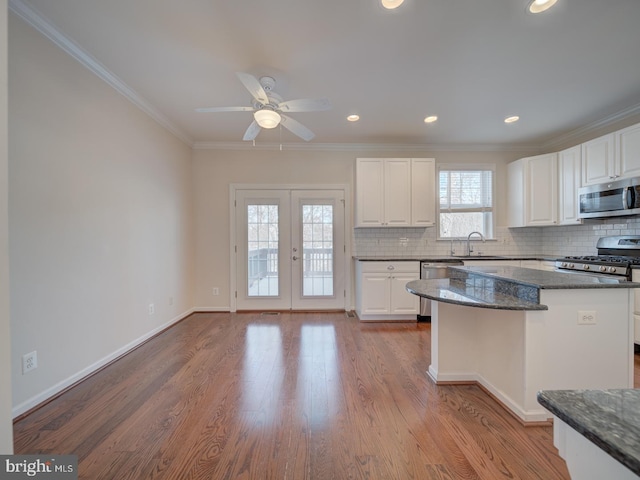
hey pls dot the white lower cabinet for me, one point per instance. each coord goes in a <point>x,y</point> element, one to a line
<point>380,290</point>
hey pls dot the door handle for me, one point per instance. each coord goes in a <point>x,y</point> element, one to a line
<point>294,257</point>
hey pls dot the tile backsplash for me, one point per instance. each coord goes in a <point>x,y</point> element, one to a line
<point>548,241</point>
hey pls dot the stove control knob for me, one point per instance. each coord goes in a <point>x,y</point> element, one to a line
<point>586,267</point>
<point>571,265</point>
<point>604,269</point>
<point>612,269</point>
<point>563,264</point>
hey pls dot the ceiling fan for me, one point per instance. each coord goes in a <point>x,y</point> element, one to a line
<point>268,108</point>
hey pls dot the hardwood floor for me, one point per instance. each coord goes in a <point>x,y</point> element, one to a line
<point>293,396</point>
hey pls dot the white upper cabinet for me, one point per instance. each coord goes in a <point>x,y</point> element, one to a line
<point>598,160</point>
<point>534,188</point>
<point>628,149</point>
<point>370,192</point>
<point>395,192</point>
<point>612,156</point>
<point>515,194</point>
<point>423,192</point>
<point>569,176</point>
<point>541,190</point>
<point>533,191</point>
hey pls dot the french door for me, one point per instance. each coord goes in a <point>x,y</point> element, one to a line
<point>290,249</point>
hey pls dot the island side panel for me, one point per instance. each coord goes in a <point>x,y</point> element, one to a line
<point>501,365</point>
<point>584,459</point>
<point>484,346</point>
<point>573,356</point>
<point>453,343</point>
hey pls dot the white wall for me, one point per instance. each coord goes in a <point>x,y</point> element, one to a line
<point>6,427</point>
<point>214,170</point>
<point>100,219</point>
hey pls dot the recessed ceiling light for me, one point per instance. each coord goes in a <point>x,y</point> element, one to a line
<point>353,118</point>
<point>512,119</point>
<point>539,6</point>
<point>391,4</point>
<point>431,119</point>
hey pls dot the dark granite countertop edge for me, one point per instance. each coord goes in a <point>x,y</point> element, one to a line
<point>515,304</point>
<point>546,286</point>
<point>583,424</point>
<point>449,259</point>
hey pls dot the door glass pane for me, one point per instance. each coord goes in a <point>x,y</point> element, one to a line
<point>317,250</point>
<point>262,247</point>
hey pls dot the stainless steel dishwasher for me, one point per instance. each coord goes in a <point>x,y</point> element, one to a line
<point>431,270</point>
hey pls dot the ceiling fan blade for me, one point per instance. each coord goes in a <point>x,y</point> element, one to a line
<point>252,84</point>
<point>252,132</point>
<point>305,105</point>
<point>297,128</point>
<point>224,109</point>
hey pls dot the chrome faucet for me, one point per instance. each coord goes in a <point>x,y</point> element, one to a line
<point>469,247</point>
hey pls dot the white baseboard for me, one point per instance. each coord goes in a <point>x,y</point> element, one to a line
<point>58,387</point>
<point>211,309</point>
<point>527,416</point>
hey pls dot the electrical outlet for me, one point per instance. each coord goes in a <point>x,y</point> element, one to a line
<point>216,291</point>
<point>29,362</point>
<point>586,317</point>
<point>152,309</point>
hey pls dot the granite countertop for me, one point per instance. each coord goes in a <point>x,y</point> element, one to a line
<point>443,290</point>
<point>447,258</point>
<point>505,288</point>
<point>544,279</point>
<point>609,418</point>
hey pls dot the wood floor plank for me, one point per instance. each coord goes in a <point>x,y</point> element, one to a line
<point>292,396</point>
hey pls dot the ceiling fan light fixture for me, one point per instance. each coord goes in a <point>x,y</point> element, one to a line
<point>391,4</point>
<point>267,118</point>
<point>539,6</point>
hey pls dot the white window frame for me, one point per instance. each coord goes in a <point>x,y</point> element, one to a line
<point>468,167</point>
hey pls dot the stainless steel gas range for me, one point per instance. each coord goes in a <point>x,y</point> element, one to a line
<point>616,256</point>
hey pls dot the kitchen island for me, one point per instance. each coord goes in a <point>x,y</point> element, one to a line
<point>597,432</point>
<point>515,331</point>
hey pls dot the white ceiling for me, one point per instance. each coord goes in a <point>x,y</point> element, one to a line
<point>471,62</point>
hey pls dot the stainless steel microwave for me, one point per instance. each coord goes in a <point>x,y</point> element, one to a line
<point>612,199</point>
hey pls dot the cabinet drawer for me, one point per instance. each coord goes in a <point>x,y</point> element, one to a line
<point>389,267</point>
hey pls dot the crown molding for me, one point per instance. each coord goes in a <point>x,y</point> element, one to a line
<point>576,134</point>
<point>376,147</point>
<point>42,25</point>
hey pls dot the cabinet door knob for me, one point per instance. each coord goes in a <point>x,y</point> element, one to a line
<point>391,267</point>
